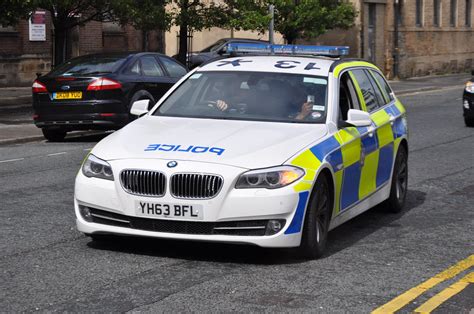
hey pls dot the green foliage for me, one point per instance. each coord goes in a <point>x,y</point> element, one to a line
<point>14,10</point>
<point>293,18</point>
<point>146,15</point>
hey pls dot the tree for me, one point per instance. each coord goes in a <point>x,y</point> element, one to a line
<point>145,15</point>
<point>294,19</point>
<point>194,15</point>
<point>14,10</point>
<point>66,14</point>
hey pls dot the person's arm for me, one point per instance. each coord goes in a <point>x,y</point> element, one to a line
<point>306,109</point>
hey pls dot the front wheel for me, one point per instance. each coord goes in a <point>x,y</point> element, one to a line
<point>399,186</point>
<point>317,219</point>
<point>54,135</point>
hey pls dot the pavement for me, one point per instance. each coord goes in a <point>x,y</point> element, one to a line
<point>375,261</point>
<point>16,124</point>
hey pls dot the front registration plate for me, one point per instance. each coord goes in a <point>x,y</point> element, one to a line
<point>67,95</point>
<point>164,210</point>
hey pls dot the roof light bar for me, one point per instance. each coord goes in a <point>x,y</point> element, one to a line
<point>333,51</point>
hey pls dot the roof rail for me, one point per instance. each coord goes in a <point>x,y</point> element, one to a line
<point>304,50</point>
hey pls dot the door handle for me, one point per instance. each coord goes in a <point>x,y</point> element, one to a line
<point>371,131</point>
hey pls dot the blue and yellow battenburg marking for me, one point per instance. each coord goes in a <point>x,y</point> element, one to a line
<point>343,151</point>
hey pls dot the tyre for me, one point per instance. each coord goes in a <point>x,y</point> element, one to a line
<point>469,122</point>
<point>54,135</point>
<point>317,219</point>
<point>399,185</point>
<point>140,95</point>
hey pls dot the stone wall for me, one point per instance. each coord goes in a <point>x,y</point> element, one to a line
<point>21,70</point>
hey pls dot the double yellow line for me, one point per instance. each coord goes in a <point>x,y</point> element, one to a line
<point>410,295</point>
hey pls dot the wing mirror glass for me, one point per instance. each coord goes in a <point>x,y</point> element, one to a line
<point>140,107</point>
<point>358,118</point>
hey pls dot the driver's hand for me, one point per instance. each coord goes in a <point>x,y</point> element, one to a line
<point>306,109</point>
<point>222,105</point>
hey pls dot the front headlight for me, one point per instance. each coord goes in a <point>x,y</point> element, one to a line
<point>94,167</point>
<point>470,87</point>
<point>269,178</point>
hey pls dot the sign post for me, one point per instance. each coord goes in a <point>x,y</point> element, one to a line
<point>37,24</point>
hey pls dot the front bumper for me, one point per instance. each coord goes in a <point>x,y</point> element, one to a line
<point>469,111</point>
<point>228,217</point>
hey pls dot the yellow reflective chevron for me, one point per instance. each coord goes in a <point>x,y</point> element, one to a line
<point>368,174</point>
<point>385,135</point>
<point>380,117</point>
<point>338,183</point>
<point>349,139</point>
<point>306,160</point>
<point>302,186</point>
<point>400,107</point>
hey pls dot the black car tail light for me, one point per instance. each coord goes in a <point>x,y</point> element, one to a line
<point>103,84</point>
<point>38,87</point>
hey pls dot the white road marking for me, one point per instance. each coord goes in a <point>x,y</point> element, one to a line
<point>87,149</point>
<point>55,154</point>
<point>11,160</point>
<point>429,91</point>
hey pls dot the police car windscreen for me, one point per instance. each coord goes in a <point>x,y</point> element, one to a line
<point>261,96</point>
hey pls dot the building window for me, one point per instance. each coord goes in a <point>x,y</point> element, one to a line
<point>419,13</point>
<point>453,12</point>
<point>436,12</point>
<point>468,13</point>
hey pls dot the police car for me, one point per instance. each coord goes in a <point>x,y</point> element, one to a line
<point>272,147</point>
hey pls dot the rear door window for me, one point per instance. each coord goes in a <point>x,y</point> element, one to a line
<point>367,89</point>
<point>383,86</point>
<point>150,66</point>
<point>174,69</point>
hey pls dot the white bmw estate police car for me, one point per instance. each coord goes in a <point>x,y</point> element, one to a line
<point>273,150</point>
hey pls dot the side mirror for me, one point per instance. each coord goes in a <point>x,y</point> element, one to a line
<point>140,107</point>
<point>38,74</point>
<point>358,118</point>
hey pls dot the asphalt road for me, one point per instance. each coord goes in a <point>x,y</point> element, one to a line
<point>46,265</point>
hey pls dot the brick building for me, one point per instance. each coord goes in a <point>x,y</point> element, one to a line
<point>431,36</point>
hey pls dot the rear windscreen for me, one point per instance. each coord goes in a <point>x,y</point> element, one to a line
<point>88,66</point>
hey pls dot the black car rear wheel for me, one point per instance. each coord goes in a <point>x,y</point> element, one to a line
<point>54,135</point>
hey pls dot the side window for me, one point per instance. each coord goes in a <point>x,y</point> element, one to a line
<point>383,85</point>
<point>135,69</point>
<point>368,91</point>
<point>347,96</point>
<point>150,66</point>
<point>173,68</point>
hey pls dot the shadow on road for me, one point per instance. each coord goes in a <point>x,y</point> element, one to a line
<point>340,238</point>
<point>372,220</point>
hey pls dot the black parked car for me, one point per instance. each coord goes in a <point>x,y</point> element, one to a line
<point>97,91</point>
<point>218,48</point>
<point>468,102</point>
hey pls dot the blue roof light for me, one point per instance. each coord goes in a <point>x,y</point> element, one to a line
<point>288,49</point>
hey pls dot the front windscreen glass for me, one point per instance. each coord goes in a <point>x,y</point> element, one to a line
<point>259,96</point>
<point>89,66</point>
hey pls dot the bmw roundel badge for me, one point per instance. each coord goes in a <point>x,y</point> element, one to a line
<point>172,164</point>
